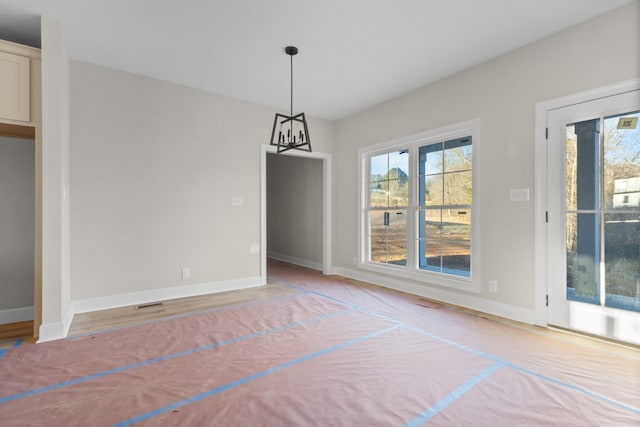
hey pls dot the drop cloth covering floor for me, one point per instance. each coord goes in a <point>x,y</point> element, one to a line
<point>332,354</point>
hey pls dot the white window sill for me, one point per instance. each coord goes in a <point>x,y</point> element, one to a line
<point>425,277</point>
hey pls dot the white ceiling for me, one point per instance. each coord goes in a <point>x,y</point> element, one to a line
<point>353,53</point>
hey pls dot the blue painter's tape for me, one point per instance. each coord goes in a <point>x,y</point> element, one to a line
<point>574,387</point>
<point>172,356</point>
<point>406,325</point>
<point>499,360</point>
<point>454,344</point>
<point>453,396</point>
<point>250,378</point>
<point>17,343</point>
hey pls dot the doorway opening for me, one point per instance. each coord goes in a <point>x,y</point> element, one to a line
<point>17,230</point>
<point>296,208</point>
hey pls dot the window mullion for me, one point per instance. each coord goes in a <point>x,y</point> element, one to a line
<point>412,230</point>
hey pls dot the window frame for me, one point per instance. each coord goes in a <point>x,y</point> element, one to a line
<point>411,271</point>
<point>388,208</point>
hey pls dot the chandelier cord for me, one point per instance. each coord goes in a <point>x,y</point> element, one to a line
<point>291,85</point>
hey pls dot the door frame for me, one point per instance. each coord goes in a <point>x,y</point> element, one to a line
<point>541,278</point>
<point>327,197</point>
<point>28,132</point>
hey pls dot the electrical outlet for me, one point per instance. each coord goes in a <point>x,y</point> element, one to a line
<point>493,286</point>
<point>186,273</point>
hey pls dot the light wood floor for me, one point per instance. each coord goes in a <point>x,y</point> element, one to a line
<point>12,331</point>
<point>86,323</point>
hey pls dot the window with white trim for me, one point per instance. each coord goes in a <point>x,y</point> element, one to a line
<point>445,189</point>
<point>418,206</point>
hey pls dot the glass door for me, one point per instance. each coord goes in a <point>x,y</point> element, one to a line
<point>594,217</point>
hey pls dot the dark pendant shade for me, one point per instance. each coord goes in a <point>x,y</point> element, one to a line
<point>290,132</point>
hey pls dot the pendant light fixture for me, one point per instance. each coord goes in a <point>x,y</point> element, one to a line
<point>290,132</point>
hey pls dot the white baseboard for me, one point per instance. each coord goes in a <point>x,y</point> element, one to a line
<point>462,300</point>
<point>51,331</point>
<point>155,295</point>
<point>295,260</point>
<point>56,330</point>
<point>13,315</point>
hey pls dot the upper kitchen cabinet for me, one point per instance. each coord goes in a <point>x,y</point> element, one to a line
<point>14,87</point>
<point>17,64</point>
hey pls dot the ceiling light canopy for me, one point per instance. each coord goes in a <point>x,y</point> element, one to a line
<point>291,132</point>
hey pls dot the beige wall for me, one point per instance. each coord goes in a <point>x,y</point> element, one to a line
<point>153,169</point>
<point>502,93</point>
<point>294,209</point>
<point>154,165</point>
<point>17,222</point>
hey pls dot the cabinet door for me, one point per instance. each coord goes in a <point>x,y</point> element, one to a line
<point>14,87</point>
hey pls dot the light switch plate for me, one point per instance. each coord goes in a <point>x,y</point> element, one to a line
<point>519,194</point>
<point>237,201</point>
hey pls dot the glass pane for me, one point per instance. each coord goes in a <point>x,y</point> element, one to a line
<point>584,167</point>
<point>430,258</point>
<point>457,155</point>
<point>388,243</point>
<point>379,166</point>
<point>397,223</point>
<point>388,180</point>
<point>456,257</point>
<point>377,236</point>
<point>378,195</point>
<point>583,258</point>
<point>397,238</point>
<point>456,224</point>
<point>431,188</point>
<point>399,161</point>
<point>430,159</point>
<point>622,161</point>
<point>622,261</point>
<point>432,226</point>
<point>398,192</point>
<point>457,188</point>
<point>570,168</point>
<point>397,252</point>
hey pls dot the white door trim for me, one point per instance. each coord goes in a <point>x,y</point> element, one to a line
<point>541,184</point>
<point>327,197</point>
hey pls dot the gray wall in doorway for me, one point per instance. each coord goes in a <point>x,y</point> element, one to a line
<point>294,209</point>
<point>17,222</point>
